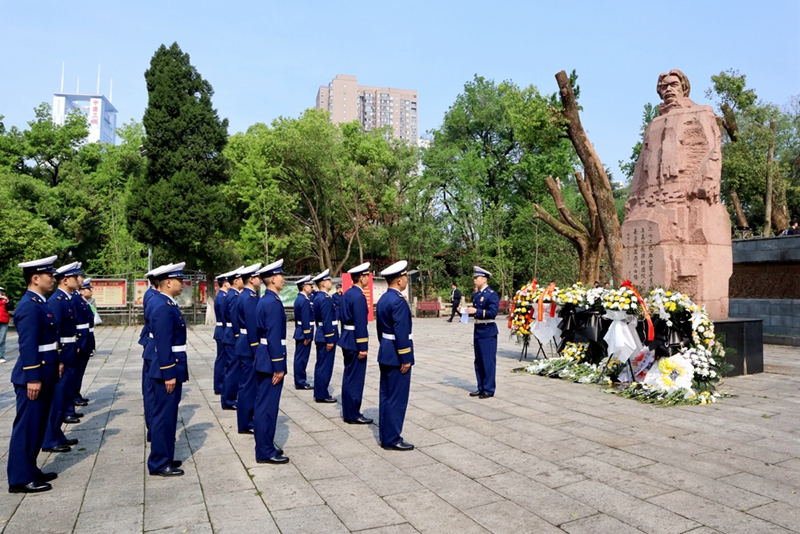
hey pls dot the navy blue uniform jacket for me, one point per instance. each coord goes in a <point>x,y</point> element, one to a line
<point>393,322</point>
<point>38,337</point>
<point>271,351</point>
<point>354,313</point>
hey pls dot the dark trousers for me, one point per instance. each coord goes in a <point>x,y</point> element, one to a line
<point>485,363</point>
<point>246,399</point>
<point>80,370</point>
<point>454,311</point>
<point>323,370</point>
<point>230,385</point>
<point>268,399</point>
<point>355,371</point>
<point>27,434</point>
<point>392,403</point>
<point>148,395</point>
<point>62,398</point>
<point>301,355</point>
<point>163,424</point>
<point>219,368</point>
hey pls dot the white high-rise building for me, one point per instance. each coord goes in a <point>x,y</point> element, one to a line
<point>99,111</point>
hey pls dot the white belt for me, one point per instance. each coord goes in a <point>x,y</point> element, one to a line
<point>243,331</point>
<point>150,335</point>
<point>391,336</point>
<point>333,323</point>
<point>349,327</point>
<point>72,339</point>
<point>91,330</point>
<point>178,348</point>
<point>83,326</point>
<point>484,320</point>
<point>263,341</point>
<point>218,324</point>
<point>229,325</point>
<point>299,323</point>
<point>46,348</point>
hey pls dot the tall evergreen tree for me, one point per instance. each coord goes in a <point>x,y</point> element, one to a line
<point>178,204</point>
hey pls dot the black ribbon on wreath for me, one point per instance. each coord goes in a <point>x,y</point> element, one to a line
<point>581,325</point>
<point>668,340</point>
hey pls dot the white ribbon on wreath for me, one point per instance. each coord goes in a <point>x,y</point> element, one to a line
<point>621,338</point>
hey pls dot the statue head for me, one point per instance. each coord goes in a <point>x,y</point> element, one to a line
<point>673,87</point>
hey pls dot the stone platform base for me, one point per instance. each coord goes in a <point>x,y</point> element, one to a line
<point>746,338</point>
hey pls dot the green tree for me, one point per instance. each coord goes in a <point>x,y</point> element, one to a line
<point>179,204</point>
<point>49,145</point>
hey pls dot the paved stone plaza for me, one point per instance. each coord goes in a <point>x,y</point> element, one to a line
<point>542,456</point>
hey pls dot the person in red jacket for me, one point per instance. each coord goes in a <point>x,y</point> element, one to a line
<point>5,304</point>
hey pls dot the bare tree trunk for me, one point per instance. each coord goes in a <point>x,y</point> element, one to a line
<point>211,295</point>
<point>768,200</point>
<point>596,176</point>
<point>588,243</point>
<point>737,205</point>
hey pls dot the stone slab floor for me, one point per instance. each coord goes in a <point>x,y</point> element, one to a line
<point>543,456</point>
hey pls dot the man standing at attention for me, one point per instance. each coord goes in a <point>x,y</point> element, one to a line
<point>219,330</point>
<point>326,338</point>
<point>395,357</point>
<point>354,343</point>
<point>34,377</point>
<point>455,300</point>
<point>270,364</point>
<point>168,371</point>
<point>246,344</point>
<point>230,383</point>
<point>485,304</point>
<point>303,331</point>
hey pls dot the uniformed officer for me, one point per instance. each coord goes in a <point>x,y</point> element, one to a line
<point>168,371</point>
<point>337,302</point>
<point>145,338</point>
<point>354,341</point>
<point>485,305</point>
<point>246,345</point>
<point>270,364</point>
<point>87,292</point>
<point>326,337</point>
<point>85,337</point>
<point>64,312</point>
<point>303,331</point>
<point>395,357</point>
<point>35,375</point>
<point>230,383</point>
<point>219,330</point>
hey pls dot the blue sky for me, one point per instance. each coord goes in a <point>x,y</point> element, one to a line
<point>266,59</point>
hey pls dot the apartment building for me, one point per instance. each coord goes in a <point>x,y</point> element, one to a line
<point>373,107</point>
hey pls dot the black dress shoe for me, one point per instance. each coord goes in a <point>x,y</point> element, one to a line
<point>217,393</point>
<point>70,420</point>
<point>307,386</point>
<point>30,487</point>
<point>169,471</point>
<point>278,450</point>
<point>402,446</point>
<point>84,399</point>
<point>70,442</point>
<point>486,396</point>
<point>58,448</point>
<point>277,459</point>
<point>78,415</point>
<point>329,400</point>
<point>80,403</point>
<point>47,477</point>
<point>360,421</point>
<point>176,463</point>
<point>229,408</point>
<point>449,320</point>
<point>248,431</point>
<point>476,393</point>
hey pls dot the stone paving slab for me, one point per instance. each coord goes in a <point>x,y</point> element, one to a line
<point>543,456</point>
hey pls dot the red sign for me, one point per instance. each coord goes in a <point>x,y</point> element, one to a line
<point>139,289</point>
<point>110,293</point>
<point>347,283</point>
<point>202,288</point>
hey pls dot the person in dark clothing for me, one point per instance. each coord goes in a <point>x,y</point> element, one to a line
<point>455,300</point>
<point>792,229</point>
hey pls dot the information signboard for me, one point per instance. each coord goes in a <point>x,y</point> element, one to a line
<point>110,293</point>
